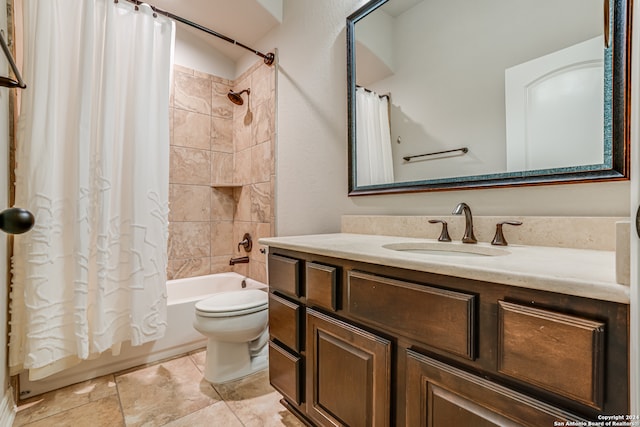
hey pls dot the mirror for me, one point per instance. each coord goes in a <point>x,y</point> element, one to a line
<point>452,94</point>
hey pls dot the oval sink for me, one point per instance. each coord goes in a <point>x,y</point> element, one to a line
<point>445,249</point>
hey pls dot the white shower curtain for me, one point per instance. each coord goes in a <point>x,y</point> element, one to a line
<point>374,160</point>
<point>93,166</point>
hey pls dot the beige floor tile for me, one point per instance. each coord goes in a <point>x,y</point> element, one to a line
<point>66,398</point>
<point>256,403</point>
<point>172,393</point>
<point>218,414</point>
<point>199,359</point>
<point>165,392</point>
<point>99,413</point>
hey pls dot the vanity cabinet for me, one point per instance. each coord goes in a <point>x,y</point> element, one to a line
<point>438,317</point>
<point>440,395</point>
<point>348,373</point>
<point>361,344</point>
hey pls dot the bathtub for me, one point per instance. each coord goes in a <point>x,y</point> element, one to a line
<point>180,337</point>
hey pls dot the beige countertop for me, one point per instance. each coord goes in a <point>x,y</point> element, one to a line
<point>579,272</point>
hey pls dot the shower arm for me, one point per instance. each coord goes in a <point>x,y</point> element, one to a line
<point>268,58</point>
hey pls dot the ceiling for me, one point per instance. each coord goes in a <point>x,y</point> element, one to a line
<point>246,21</point>
<point>396,8</point>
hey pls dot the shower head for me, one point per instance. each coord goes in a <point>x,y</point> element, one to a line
<point>236,97</point>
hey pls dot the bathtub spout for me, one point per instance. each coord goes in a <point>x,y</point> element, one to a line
<point>239,260</point>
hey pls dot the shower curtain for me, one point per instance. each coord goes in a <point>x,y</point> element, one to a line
<point>374,161</point>
<point>93,166</point>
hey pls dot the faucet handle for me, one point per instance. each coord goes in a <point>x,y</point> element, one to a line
<point>246,243</point>
<point>444,235</point>
<point>499,239</point>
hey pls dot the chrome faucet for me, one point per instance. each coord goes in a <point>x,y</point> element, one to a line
<point>468,221</point>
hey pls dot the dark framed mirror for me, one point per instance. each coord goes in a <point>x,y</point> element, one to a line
<point>452,94</point>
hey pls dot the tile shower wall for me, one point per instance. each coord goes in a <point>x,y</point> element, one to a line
<point>221,171</point>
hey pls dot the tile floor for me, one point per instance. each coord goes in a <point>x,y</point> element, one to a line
<point>171,393</point>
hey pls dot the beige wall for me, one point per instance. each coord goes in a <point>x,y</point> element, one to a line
<point>221,173</point>
<point>312,140</point>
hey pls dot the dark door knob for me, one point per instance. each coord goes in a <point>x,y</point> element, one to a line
<point>16,220</point>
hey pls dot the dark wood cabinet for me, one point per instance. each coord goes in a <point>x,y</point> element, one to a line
<point>285,320</point>
<point>285,372</point>
<point>439,395</point>
<point>348,374</point>
<point>358,344</point>
<point>437,317</point>
<point>284,275</point>
<point>322,286</point>
<point>567,351</point>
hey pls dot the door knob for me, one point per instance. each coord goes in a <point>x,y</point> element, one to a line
<point>16,220</point>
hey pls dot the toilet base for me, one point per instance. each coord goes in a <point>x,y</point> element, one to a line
<point>231,361</point>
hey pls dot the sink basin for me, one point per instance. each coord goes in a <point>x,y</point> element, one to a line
<point>446,249</point>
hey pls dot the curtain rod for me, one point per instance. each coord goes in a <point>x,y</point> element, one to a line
<point>386,95</point>
<point>268,58</point>
<point>7,81</point>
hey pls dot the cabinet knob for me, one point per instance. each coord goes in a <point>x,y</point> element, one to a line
<point>16,220</point>
<point>499,239</point>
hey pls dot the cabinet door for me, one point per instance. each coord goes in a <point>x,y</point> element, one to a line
<point>441,395</point>
<point>348,374</point>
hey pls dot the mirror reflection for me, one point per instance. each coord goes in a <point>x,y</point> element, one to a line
<point>458,91</point>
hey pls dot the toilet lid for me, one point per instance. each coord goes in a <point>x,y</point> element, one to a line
<point>234,303</point>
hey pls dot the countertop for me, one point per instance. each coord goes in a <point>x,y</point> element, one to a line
<point>579,272</point>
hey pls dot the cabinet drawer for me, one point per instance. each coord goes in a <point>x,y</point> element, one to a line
<point>442,395</point>
<point>321,284</point>
<point>284,373</point>
<point>557,352</point>
<point>436,317</point>
<point>284,274</point>
<point>284,322</point>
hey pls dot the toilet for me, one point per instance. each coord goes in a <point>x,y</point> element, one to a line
<point>236,325</point>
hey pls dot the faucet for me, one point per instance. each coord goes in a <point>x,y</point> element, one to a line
<point>468,220</point>
<point>239,260</point>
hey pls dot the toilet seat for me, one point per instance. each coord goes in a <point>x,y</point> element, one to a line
<point>233,303</point>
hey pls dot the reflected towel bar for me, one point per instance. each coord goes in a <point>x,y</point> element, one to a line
<point>463,150</point>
